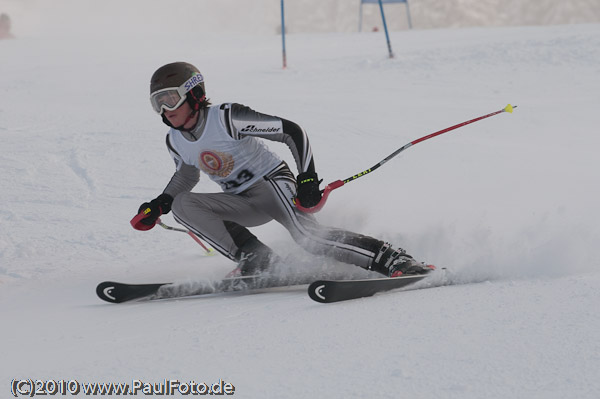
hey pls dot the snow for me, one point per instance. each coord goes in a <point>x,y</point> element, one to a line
<point>509,204</point>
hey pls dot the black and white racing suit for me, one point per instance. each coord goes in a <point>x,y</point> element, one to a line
<point>257,186</point>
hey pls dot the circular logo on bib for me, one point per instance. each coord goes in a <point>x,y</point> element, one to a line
<point>216,163</point>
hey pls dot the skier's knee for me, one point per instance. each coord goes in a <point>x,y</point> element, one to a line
<point>187,204</point>
<point>178,206</point>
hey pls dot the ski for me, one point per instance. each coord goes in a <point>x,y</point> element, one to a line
<point>111,291</point>
<point>324,291</point>
<point>327,291</point>
<point>115,292</point>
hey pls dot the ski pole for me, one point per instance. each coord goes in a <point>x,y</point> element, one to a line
<point>339,183</point>
<point>137,218</point>
<point>209,251</point>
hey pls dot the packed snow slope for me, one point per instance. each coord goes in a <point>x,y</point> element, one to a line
<point>509,204</point>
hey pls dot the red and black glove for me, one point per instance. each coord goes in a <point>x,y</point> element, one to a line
<point>308,193</point>
<point>152,211</point>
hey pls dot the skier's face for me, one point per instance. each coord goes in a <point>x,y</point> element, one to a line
<point>179,116</point>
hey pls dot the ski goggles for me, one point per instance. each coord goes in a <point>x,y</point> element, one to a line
<point>171,98</point>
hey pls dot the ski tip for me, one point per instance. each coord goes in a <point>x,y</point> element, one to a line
<point>113,292</point>
<point>105,291</point>
<point>509,108</point>
<point>316,291</point>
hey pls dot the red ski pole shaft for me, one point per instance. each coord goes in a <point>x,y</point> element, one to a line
<point>137,218</point>
<point>339,183</point>
<point>190,233</point>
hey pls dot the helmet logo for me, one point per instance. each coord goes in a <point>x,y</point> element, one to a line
<point>193,82</point>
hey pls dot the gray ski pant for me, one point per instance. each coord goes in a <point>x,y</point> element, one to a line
<point>271,198</point>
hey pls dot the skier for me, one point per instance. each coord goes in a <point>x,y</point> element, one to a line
<point>223,141</point>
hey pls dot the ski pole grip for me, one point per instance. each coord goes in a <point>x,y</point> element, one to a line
<point>136,219</point>
<point>328,189</point>
<point>137,224</point>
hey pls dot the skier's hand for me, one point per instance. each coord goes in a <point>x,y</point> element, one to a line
<point>308,193</point>
<point>152,211</point>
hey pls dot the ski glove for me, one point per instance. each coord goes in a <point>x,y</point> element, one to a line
<point>153,209</point>
<point>308,193</point>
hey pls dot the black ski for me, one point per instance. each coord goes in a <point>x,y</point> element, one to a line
<point>326,291</point>
<point>115,292</point>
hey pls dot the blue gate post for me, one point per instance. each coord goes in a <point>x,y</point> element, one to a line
<point>408,15</point>
<point>283,36</point>
<point>387,35</point>
<point>360,12</point>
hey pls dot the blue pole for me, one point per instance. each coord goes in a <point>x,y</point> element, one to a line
<point>387,36</point>
<point>408,15</point>
<point>283,36</point>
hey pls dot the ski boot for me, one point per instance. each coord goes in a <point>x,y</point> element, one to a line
<point>254,258</point>
<point>396,263</point>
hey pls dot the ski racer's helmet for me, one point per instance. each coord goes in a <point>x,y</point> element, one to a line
<point>172,84</point>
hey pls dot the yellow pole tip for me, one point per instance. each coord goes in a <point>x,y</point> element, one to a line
<point>509,108</point>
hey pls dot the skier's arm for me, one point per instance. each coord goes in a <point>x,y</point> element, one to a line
<point>185,177</point>
<point>243,121</point>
